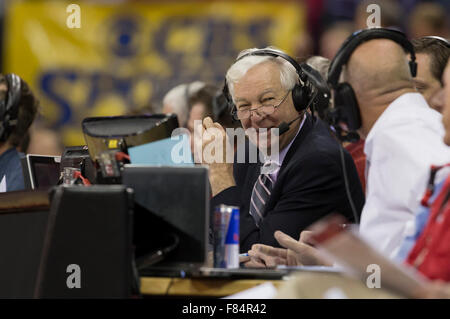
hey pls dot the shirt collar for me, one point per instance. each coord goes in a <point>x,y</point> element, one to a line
<point>400,109</point>
<point>405,101</point>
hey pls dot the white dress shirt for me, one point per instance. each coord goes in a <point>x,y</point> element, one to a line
<point>400,148</point>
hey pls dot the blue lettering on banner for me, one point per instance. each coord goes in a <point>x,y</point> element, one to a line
<point>216,52</point>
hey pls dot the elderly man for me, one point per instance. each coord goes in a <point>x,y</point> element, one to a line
<point>307,182</point>
<point>403,139</point>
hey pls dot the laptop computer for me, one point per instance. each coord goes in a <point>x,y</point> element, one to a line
<point>171,218</point>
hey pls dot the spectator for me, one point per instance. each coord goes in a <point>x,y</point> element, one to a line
<point>432,55</point>
<point>429,18</point>
<point>18,108</point>
<point>321,64</point>
<point>333,37</point>
<point>431,252</point>
<point>177,99</point>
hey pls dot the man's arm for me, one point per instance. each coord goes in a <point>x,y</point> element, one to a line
<point>221,177</point>
<point>220,172</point>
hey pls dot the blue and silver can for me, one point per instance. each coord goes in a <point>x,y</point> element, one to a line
<point>226,236</point>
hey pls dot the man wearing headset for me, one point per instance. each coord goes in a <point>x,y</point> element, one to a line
<point>403,139</point>
<point>18,108</point>
<point>306,182</point>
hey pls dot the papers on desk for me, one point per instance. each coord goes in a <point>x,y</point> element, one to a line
<point>172,151</point>
<point>263,291</point>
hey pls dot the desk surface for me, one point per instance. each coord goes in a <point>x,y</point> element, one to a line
<point>24,201</point>
<point>201,287</point>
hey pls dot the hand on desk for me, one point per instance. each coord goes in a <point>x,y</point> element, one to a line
<point>295,253</point>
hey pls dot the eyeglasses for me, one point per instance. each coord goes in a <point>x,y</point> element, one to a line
<point>262,110</point>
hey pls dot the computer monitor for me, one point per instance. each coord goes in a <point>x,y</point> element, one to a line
<point>171,218</point>
<point>108,140</point>
<point>41,171</point>
<point>120,132</point>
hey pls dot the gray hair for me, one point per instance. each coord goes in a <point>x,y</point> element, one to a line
<point>288,74</point>
<point>320,64</point>
<point>178,98</point>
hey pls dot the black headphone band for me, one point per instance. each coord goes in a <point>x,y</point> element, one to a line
<point>276,54</point>
<point>9,109</point>
<point>361,36</point>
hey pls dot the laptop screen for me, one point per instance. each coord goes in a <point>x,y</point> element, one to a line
<point>43,172</point>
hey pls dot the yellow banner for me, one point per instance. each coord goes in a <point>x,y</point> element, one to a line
<point>126,56</point>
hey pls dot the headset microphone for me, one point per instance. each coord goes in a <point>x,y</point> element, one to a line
<point>284,127</point>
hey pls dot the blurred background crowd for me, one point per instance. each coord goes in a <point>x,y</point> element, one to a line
<point>128,55</point>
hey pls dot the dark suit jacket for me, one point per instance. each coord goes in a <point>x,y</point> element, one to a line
<point>310,185</point>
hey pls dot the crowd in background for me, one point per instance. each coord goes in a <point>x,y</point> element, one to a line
<point>328,23</point>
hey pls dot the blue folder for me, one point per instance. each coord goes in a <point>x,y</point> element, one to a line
<point>172,151</point>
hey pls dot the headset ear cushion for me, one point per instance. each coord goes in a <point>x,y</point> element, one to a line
<point>345,100</point>
<point>228,99</point>
<point>300,97</point>
<point>9,107</point>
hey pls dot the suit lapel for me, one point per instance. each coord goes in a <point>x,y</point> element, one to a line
<point>252,176</point>
<point>307,127</point>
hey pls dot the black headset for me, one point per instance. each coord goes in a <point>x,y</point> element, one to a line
<point>312,93</point>
<point>220,105</point>
<point>346,108</point>
<point>9,107</point>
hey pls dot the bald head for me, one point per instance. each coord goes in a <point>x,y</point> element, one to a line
<point>378,72</point>
<point>378,67</point>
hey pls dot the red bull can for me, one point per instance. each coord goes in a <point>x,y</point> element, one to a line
<point>226,237</point>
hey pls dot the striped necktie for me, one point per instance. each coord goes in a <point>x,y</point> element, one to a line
<point>260,195</point>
